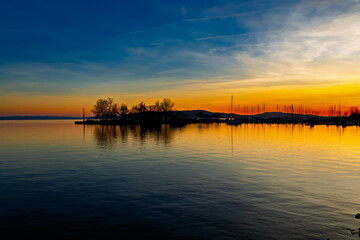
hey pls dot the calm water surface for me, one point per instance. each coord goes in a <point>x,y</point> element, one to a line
<point>64,181</point>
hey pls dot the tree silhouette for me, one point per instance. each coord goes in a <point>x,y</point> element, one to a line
<point>100,108</point>
<point>108,109</point>
<point>105,109</point>
<point>139,108</point>
<point>123,110</point>
<point>157,106</point>
<point>167,105</point>
<point>113,110</point>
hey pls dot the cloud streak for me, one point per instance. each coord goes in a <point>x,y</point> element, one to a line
<point>314,48</point>
<point>190,20</point>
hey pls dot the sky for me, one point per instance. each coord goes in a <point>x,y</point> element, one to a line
<point>57,57</point>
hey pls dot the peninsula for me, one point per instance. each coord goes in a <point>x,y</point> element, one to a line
<point>109,113</point>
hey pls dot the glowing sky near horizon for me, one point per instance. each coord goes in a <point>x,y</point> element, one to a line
<point>58,56</point>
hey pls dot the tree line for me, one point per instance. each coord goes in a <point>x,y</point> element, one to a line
<point>108,109</point>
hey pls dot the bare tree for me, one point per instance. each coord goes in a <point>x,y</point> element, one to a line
<point>139,108</point>
<point>113,110</point>
<point>108,109</point>
<point>100,108</point>
<point>123,110</point>
<point>157,106</point>
<point>167,105</point>
<point>105,109</point>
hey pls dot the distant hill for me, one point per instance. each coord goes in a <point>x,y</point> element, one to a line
<point>38,118</point>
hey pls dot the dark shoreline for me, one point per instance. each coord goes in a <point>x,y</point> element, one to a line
<point>328,122</point>
<point>135,122</point>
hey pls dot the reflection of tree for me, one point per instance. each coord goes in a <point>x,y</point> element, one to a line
<point>107,135</point>
<point>123,133</point>
<point>160,134</point>
<point>163,133</point>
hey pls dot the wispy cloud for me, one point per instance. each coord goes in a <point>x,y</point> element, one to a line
<point>234,15</point>
<point>199,19</point>
<point>311,47</point>
<point>225,36</point>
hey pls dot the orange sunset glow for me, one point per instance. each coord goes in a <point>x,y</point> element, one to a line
<point>299,59</point>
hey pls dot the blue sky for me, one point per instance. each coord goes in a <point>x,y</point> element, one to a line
<point>124,40</point>
<point>136,48</point>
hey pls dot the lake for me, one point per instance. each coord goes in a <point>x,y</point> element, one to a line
<point>59,180</point>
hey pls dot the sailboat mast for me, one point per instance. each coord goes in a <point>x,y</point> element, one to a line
<point>232,98</point>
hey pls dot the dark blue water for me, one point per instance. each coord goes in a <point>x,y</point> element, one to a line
<point>63,181</point>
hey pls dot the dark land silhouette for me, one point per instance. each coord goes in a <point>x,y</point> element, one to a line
<point>107,112</point>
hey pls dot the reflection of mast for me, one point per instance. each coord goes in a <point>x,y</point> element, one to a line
<point>83,114</point>
<point>232,140</point>
<point>83,132</point>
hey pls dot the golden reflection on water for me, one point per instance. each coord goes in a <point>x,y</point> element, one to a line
<point>278,144</point>
<point>218,136</point>
<point>276,134</point>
